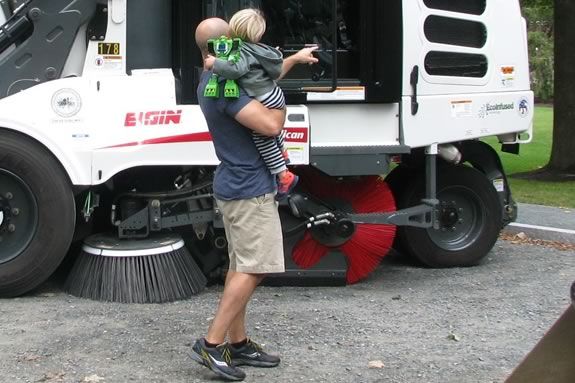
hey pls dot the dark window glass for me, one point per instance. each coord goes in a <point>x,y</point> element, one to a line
<point>291,24</point>
<point>456,64</point>
<point>474,7</point>
<point>446,30</point>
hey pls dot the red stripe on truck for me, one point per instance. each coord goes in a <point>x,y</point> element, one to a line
<point>193,137</point>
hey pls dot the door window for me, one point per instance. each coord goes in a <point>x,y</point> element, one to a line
<point>360,44</point>
<point>293,24</point>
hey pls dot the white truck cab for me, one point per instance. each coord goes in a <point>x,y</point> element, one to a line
<point>98,107</point>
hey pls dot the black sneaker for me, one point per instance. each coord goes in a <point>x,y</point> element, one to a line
<point>252,354</point>
<point>217,359</point>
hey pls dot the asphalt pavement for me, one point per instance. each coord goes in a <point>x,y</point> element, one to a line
<point>544,222</point>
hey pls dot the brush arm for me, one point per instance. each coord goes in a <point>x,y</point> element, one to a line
<point>315,211</point>
<point>417,216</point>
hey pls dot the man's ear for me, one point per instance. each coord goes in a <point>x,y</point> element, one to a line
<point>211,47</point>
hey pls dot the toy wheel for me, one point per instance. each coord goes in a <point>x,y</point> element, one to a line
<point>469,216</point>
<point>37,214</point>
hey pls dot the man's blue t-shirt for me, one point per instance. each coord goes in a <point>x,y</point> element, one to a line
<point>242,173</point>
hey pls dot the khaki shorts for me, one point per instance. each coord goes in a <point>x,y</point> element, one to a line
<point>254,234</point>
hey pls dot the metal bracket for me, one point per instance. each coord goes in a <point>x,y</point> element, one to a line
<point>150,219</point>
<point>99,25</point>
<point>155,212</point>
<point>431,181</point>
<point>416,216</point>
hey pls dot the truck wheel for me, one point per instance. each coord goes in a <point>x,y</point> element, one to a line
<point>469,217</point>
<point>37,214</point>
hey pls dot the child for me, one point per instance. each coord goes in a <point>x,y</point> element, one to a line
<point>256,70</point>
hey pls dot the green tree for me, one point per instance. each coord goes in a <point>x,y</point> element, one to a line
<point>539,15</point>
<point>562,160</point>
<point>554,19</point>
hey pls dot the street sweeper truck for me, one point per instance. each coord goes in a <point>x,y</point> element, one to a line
<point>105,154</point>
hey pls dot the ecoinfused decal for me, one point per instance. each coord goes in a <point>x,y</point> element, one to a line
<point>496,108</point>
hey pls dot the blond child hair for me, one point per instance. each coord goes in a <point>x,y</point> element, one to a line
<point>248,25</point>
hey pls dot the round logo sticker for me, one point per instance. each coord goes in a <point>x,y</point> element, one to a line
<point>523,107</point>
<point>66,103</point>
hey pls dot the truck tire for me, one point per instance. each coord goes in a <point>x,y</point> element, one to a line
<point>37,216</point>
<point>469,218</point>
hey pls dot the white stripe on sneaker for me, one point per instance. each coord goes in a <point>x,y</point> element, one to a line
<point>218,362</point>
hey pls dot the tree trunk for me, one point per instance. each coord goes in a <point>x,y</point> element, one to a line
<point>563,150</point>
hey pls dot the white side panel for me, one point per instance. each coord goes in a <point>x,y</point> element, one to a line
<point>139,124</point>
<point>463,108</point>
<point>443,119</point>
<point>354,124</point>
<point>136,122</point>
<point>119,147</point>
<point>505,49</point>
<point>99,126</point>
<point>34,112</point>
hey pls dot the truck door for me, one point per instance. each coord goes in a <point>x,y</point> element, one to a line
<point>463,60</point>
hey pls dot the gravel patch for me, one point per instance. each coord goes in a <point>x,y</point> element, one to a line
<point>403,324</point>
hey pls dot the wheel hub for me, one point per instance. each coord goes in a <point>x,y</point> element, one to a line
<point>460,220</point>
<point>18,216</point>
<point>2,209</point>
<point>4,215</point>
<point>449,216</point>
<point>336,234</point>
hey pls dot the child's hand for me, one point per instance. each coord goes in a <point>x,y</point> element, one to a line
<point>209,62</point>
<point>305,56</point>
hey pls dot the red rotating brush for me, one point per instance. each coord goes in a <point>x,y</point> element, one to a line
<point>369,243</point>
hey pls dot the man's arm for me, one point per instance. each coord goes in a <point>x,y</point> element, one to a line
<point>255,116</point>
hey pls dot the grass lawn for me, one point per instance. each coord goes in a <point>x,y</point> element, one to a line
<point>534,156</point>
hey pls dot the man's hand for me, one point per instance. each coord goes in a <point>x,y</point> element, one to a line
<point>209,62</point>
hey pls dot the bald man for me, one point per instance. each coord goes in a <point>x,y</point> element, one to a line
<point>244,190</point>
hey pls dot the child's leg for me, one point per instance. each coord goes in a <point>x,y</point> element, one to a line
<point>276,162</point>
<point>270,152</point>
<point>274,99</point>
<point>280,139</point>
<point>269,147</point>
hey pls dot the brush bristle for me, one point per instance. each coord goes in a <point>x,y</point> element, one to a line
<point>154,278</point>
<point>370,243</point>
<point>308,251</point>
